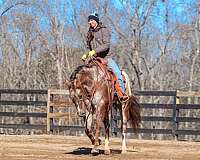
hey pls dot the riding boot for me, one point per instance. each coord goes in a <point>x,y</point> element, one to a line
<point>119,86</point>
<point>122,95</point>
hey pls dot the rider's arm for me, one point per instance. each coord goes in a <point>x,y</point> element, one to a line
<point>105,46</point>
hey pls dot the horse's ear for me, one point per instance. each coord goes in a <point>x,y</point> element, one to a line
<point>67,83</point>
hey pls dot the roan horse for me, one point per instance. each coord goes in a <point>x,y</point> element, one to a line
<point>93,96</point>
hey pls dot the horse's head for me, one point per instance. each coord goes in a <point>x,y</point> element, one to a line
<point>82,87</point>
<point>78,100</point>
<point>76,92</point>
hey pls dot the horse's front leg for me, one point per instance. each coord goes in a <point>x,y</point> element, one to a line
<point>99,117</point>
<point>106,125</point>
<point>88,127</point>
<point>97,133</point>
<point>124,115</point>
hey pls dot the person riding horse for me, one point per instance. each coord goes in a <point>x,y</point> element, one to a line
<point>98,42</point>
<point>92,92</point>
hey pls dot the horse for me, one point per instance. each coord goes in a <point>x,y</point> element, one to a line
<point>93,95</point>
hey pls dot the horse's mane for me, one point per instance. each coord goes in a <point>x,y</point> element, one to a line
<point>75,72</point>
<point>81,68</point>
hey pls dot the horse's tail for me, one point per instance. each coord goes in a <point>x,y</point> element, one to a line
<point>133,109</point>
<point>127,83</point>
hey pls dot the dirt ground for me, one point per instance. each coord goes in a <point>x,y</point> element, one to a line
<point>51,147</point>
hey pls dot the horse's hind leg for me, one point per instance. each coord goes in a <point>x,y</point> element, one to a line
<point>106,125</point>
<point>124,116</point>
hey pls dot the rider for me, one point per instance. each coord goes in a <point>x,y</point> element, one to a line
<point>98,42</point>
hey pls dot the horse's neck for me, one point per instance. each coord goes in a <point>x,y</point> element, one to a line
<point>94,73</point>
<point>88,77</point>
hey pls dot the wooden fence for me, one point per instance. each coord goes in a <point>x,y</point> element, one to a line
<point>175,106</point>
<point>56,102</point>
<point>175,119</point>
<point>18,103</point>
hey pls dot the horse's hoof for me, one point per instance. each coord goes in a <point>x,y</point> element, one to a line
<point>107,152</point>
<point>123,151</point>
<point>94,152</point>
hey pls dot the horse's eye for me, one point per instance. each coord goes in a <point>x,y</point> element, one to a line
<point>80,97</point>
<point>71,93</point>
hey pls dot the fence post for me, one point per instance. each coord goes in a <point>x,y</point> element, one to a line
<point>49,111</point>
<point>55,101</point>
<point>175,115</point>
<point>2,118</point>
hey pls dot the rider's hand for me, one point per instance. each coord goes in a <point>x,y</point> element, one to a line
<point>84,57</point>
<point>91,53</point>
<point>88,55</point>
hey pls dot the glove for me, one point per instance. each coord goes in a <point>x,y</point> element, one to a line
<point>84,57</point>
<point>91,53</point>
<point>88,55</point>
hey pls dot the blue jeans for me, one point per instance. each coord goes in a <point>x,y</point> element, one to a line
<point>114,67</point>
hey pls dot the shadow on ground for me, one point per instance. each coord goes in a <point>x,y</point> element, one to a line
<point>87,151</point>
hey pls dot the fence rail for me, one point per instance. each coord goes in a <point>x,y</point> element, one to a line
<point>50,103</point>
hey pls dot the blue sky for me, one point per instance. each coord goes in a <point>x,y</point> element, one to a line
<point>176,13</point>
<point>176,6</point>
<point>176,10</point>
<point>0,4</point>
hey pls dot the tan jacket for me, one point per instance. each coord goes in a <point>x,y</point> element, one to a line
<point>98,39</point>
